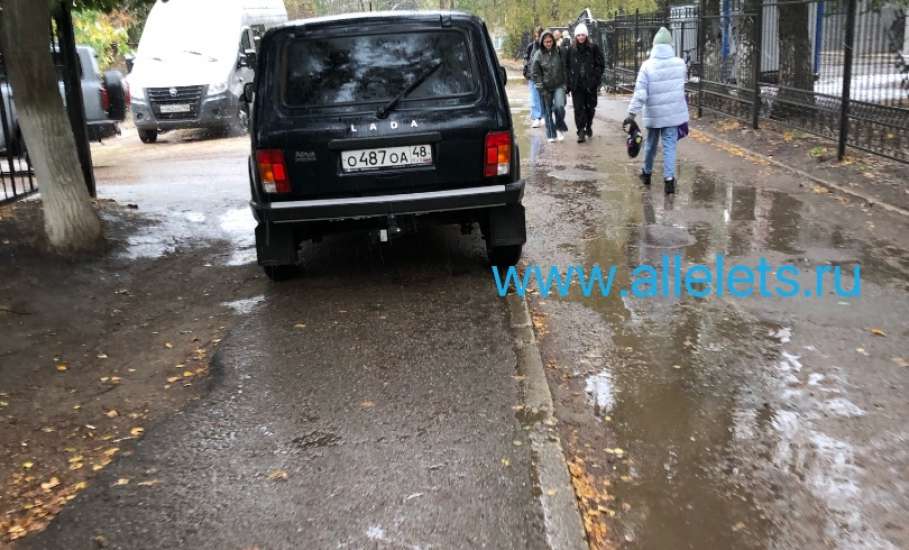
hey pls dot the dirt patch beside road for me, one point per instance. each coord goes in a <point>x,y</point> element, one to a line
<point>93,352</point>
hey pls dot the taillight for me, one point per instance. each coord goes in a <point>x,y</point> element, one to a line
<point>105,99</point>
<point>272,170</point>
<point>498,154</point>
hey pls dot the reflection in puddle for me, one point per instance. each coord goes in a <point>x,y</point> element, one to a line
<point>245,306</point>
<point>731,419</point>
<point>240,226</point>
<point>601,391</point>
<point>219,214</point>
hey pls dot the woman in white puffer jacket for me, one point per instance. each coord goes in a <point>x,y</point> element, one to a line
<point>660,93</point>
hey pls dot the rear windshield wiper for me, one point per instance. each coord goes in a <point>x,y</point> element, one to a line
<point>385,109</point>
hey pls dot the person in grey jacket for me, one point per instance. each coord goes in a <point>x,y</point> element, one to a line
<point>660,93</point>
<point>548,71</point>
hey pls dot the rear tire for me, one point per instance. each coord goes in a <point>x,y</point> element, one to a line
<point>504,256</point>
<point>116,92</point>
<point>278,273</point>
<point>148,136</point>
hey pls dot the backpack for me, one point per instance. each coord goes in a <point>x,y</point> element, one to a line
<point>528,59</point>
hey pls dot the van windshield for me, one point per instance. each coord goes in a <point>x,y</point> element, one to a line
<point>366,69</point>
<point>186,30</point>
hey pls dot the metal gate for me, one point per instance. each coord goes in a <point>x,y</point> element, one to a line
<point>838,69</point>
<point>17,178</point>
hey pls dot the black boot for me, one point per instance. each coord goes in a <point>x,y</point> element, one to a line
<point>590,131</point>
<point>669,185</point>
<point>581,137</point>
<point>645,178</point>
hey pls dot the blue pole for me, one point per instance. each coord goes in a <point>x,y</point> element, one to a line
<point>818,36</point>
<point>727,9</point>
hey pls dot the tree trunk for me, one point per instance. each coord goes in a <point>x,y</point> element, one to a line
<point>795,61</point>
<point>744,44</point>
<point>70,221</point>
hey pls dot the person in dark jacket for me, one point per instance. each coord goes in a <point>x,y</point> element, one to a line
<point>585,65</point>
<point>536,110</point>
<point>548,71</point>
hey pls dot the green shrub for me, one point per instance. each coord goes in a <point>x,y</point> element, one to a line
<point>106,33</point>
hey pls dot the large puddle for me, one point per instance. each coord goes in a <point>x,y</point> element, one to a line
<point>737,421</point>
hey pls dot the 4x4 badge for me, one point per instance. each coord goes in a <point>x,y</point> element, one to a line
<point>373,127</point>
<point>305,156</point>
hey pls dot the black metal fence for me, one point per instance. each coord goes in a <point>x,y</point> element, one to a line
<point>838,69</point>
<point>17,177</point>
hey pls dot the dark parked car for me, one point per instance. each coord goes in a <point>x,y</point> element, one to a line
<point>105,99</point>
<point>381,122</point>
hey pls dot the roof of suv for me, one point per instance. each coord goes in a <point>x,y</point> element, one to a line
<point>379,16</point>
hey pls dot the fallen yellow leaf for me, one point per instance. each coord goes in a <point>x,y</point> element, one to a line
<point>50,484</point>
<point>278,475</point>
<point>188,374</point>
<point>173,379</point>
<point>168,345</point>
<point>137,431</point>
<point>61,367</point>
<point>149,483</point>
<point>367,404</point>
<point>28,464</point>
<point>121,482</point>
<point>75,459</point>
<point>112,413</point>
<point>878,332</point>
<point>300,326</point>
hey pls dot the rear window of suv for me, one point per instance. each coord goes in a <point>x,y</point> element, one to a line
<point>347,70</point>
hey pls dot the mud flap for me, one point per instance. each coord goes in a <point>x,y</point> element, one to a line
<point>506,226</point>
<point>275,245</point>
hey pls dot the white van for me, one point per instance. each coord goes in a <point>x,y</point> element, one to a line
<point>191,64</point>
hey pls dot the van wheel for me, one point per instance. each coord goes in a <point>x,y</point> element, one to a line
<point>278,273</point>
<point>504,256</point>
<point>148,136</point>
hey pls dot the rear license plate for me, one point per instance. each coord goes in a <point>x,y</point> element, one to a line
<point>175,108</point>
<point>386,157</point>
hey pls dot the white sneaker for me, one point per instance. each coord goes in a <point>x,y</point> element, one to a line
<point>536,123</point>
<point>561,136</point>
<point>551,140</point>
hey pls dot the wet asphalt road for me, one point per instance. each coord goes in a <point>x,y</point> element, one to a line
<point>381,381</point>
<point>367,404</point>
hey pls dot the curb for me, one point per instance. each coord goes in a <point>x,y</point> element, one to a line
<point>801,173</point>
<point>561,518</point>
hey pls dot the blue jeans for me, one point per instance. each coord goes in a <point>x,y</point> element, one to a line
<point>536,110</point>
<point>670,137</point>
<point>554,111</point>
